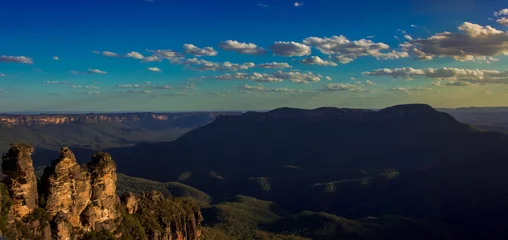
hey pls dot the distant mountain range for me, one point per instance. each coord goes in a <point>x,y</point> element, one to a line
<point>98,131</point>
<point>406,160</point>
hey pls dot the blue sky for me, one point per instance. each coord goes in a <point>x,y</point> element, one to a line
<point>130,56</point>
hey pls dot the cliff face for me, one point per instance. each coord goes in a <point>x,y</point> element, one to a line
<point>20,177</point>
<point>74,201</point>
<point>127,118</point>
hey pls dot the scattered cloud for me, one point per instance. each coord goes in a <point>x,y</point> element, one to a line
<point>279,76</point>
<point>84,87</point>
<point>16,59</point>
<point>298,4</point>
<point>473,76</point>
<point>2,75</point>
<point>243,48</point>
<point>275,65</point>
<point>57,82</point>
<point>471,42</point>
<point>158,55</point>
<point>369,82</point>
<point>90,71</point>
<point>106,53</point>
<point>328,78</point>
<point>56,58</point>
<point>297,77</point>
<point>135,55</point>
<point>409,90</point>
<point>503,21</point>
<point>346,51</point>
<point>213,66</point>
<point>342,87</point>
<point>87,93</point>
<point>315,60</point>
<point>145,86</point>
<point>502,12</point>
<point>408,37</point>
<point>193,50</point>
<point>290,49</point>
<point>412,25</point>
<point>152,59</point>
<point>263,5</point>
<point>260,88</point>
<point>154,69</point>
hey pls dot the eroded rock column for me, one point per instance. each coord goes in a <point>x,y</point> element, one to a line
<point>20,179</point>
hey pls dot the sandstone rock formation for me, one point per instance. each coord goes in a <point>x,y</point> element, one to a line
<point>77,201</point>
<point>68,188</point>
<point>131,202</point>
<point>20,177</point>
<point>102,213</point>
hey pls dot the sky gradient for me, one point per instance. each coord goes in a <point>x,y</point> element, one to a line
<point>193,55</point>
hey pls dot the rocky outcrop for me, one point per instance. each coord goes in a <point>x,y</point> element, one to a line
<point>19,174</point>
<point>102,212</point>
<point>79,201</point>
<point>167,219</point>
<point>67,188</point>
<point>131,202</point>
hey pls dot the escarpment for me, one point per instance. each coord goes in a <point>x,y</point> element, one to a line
<point>73,201</point>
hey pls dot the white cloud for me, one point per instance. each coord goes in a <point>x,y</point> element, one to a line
<point>225,66</point>
<point>234,76</point>
<point>290,49</point>
<point>274,65</point>
<point>474,76</point>
<point>279,76</point>
<point>193,50</point>
<point>503,21</point>
<point>262,5</point>
<point>146,86</point>
<point>57,82</point>
<point>56,58</point>
<point>502,12</point>
<point>408,37</point>
<point>342,87</point>
<point>243,48</point>
<point>96,71</point>
<point>16,59</point>
<point>261,88</point>
<point>90,71</point>
<point>87,93</point>
<point>298,77</point>
<point>471,42</point>
<point>298,4</point>
<point>412,25</point>
<point>84,87</point>
<point>2,75</point>
<point>135,55</point>
<point>409,90</point>
<point>346,51</point>
<point>162,54</point>
<point>106,53</point>
<point>328,78</point>
<point>154,69</point>
<point>315,60</point>
<point>369,82</point>
<point>343,59</point>
<point>152,59</point>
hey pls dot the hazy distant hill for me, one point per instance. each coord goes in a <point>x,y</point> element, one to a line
<point>98,131</point>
